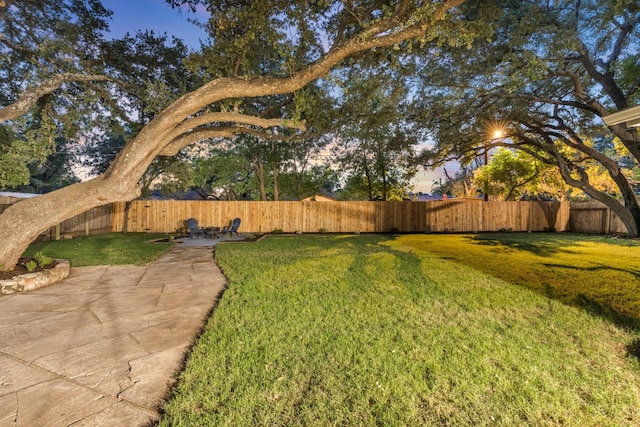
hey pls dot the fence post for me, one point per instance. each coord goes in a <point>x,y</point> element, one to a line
<point>87,220</point>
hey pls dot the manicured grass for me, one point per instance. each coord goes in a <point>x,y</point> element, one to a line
<point>105,249</point>
<point>601,274</point>
<point>372,330</point>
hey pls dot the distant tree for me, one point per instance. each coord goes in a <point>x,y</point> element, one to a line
<point>225,175</point>
<point>376,147</point>
<point>461,184</point>
<point>507,175</point>
<point>55,172</point>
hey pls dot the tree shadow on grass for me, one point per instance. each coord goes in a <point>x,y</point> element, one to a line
<point>633,272</point>
<point>542,245</point>
<point>597,308</point>
<point>608,313</point>
<point>619,319</point>
<point>605,312</point>
<point>633,349</point>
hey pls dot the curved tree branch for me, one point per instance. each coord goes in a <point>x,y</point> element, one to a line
<point>229,117</point>
<point>28,98</point>
<point>200,134</point>
<point>197,135</point>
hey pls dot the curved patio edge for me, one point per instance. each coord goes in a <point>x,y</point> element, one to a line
<point>31,281</point>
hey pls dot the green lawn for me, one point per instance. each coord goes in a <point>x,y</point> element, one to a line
<point>105,249</point>
<point>415,330</point>
<point>601,274</point>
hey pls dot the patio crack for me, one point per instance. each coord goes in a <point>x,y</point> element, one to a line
<point>15,419</point>
<point>132,383</point>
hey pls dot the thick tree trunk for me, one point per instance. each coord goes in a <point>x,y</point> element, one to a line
<point>629,213</point>
<point>23,222</point>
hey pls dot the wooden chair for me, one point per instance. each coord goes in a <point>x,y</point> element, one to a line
<point>194,230</point>
<point>233,228</point>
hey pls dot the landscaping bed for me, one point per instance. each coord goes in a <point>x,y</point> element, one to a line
<point>21,268</point>
<point>104,249</point>
<point>21,279</point>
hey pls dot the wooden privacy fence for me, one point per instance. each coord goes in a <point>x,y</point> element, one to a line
<point>94,221</point>
<point>594,217</point>
<point>167,216</point>
<point>436,216</point>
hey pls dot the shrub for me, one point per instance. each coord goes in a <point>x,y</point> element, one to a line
<point>31,266</point>
<point>41,259</point>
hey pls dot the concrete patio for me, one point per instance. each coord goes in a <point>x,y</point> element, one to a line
<point>103,347</point>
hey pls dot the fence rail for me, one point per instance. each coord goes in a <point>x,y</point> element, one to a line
<point>437,216</point>
<point>166,216</point>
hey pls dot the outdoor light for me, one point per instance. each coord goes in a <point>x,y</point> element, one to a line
<point>495,131</point>
<point>630,116</point>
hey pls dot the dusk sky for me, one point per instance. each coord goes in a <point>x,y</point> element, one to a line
<point>134,15</point>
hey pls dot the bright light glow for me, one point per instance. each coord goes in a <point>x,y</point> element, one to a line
<point>496,130</point>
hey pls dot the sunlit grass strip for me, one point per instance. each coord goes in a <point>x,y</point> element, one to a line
<point>599,273</point>
<point>331,330</point>
<point>105,249</point>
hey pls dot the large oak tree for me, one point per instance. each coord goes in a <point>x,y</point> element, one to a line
<point>310,39</point>
<point>549,72</point>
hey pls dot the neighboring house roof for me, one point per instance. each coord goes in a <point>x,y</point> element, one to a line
<point>189,195</point>
<point>421,197</point>
<point>319,198</point>
<point>468,199</point>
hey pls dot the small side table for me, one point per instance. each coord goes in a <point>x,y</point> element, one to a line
<point>212,232</point>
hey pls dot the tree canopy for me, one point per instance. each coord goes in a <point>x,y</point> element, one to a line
<point>275,76</point>
<point>50,65</point>
<point>259,49</point>
<point>549,71</point>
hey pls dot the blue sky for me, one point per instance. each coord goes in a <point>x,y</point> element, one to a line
<point>134,15</point>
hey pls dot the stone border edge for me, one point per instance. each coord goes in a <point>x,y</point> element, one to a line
<point>31,281</point>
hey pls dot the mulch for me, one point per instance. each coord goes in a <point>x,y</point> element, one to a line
<point>21,268</point>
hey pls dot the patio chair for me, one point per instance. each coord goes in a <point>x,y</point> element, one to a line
<point>233,228</point>
<point>194,230</point>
